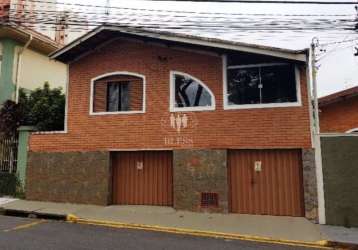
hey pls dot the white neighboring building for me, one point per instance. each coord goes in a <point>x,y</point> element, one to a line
<point>30,13</point>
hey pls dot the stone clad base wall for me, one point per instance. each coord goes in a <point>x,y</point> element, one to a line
<point>196,171</point>
<point>74,177</point>
<point>310,184</point>
<point>340,179</point>
<point>85,177</point>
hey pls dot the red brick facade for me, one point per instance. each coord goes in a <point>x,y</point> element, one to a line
<point>287,127</point>
<point>340,116</point>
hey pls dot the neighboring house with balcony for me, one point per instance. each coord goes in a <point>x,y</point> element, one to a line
<point>158,118</point>
<point>339,112</point>
<point>24,61</point>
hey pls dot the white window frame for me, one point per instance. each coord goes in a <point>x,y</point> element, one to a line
<point>118,112</point>
<point>172,107</point>
<point>298,103</point>
<point>353,130</point>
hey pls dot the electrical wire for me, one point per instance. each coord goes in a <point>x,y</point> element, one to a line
<point>181,11</point>
<point>265,1</point>
<point>239,23</point>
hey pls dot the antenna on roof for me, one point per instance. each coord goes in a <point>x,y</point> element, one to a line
<point>108,5</point>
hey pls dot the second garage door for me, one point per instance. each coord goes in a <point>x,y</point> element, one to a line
<point>266,182</point>
<point>143,178</point>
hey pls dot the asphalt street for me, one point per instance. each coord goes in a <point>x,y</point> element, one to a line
<point>25,233</point>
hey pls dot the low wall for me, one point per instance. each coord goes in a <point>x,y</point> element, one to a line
<point>74,177</point>
<point>197,171</point>
<point>340,176</point>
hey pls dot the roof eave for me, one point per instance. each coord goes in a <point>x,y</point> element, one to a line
<point>295,55</point>
<point>39,44</point>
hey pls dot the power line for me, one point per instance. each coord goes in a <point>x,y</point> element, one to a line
<point>244,26</point>
<point>338,42</point>
<point>273,23</point>
<point>240,15</point>
<point>225,25</point>
<point>266,1</point>
<point>181,11</point>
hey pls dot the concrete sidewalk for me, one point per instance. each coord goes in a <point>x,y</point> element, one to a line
<point>5,200</point>
<point>269,227</point>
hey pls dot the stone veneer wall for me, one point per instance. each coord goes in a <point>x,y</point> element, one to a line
<point>72,177</point>
<point>310,184</point>
<point>197,171</point>
<point>340,172</point>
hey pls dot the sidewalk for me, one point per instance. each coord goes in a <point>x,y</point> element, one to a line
<point>5,200</point>
<point>149,217</point>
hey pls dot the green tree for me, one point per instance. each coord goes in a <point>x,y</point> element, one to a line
<point>44,108</point>
<point>11,117</point>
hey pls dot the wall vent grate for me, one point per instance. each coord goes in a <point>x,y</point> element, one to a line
<point>209,199</point>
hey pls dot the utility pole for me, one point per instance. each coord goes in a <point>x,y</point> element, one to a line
<point>356,28</point>
<point>314,45</point>
<point>316,135</point>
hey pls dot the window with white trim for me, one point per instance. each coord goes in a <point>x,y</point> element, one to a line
<point>189,93</point>
<point>117,93</point>
<point>353,130</point>
<point>267,84</point>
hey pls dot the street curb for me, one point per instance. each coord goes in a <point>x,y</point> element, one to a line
<point>35,214</point>
<point>323,244</point>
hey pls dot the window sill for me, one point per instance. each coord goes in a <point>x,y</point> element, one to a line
<point>117,113</point>
<point>192,109</point>
<point>49,132</point>
<point>259,106</point>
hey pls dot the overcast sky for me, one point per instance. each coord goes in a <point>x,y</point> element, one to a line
<point>338,67</point>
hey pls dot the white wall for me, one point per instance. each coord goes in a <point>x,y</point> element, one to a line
<point>36,69</point>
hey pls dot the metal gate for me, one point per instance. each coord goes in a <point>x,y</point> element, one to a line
<point>267,182</point>
<point>143,178</point>
<point>8,154</point>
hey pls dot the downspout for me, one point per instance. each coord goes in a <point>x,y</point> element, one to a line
<point>18,65</point>
<point>317,138</point>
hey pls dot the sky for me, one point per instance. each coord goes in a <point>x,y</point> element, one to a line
<point>338,68</point>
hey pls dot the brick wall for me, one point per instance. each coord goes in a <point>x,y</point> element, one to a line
<point>4,9</point>
<point>339,117</point>
<point>247,128</point>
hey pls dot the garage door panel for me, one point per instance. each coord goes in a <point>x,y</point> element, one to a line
<point>150,184</point>
<point>275,190</point>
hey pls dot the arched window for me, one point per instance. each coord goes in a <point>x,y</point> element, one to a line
<point>188,93</point>
<point>118,92</point>
<point>353,130</point>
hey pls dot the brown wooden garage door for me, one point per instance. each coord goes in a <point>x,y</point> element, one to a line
<point>143,178</point>
<point>275,190</point>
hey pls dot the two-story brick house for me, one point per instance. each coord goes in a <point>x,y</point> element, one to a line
<point>156,118</point>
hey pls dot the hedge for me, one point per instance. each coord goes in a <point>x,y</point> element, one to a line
<point>8,184</point>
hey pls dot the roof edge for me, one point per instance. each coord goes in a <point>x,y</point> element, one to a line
<point>338,96</point>
<point>43,43</point>
<point>297,55</point>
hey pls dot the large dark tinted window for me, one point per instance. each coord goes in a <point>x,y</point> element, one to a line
<point>190,93</point>
<point>261,85</point>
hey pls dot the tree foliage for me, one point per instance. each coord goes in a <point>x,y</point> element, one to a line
<point>11,117</point>
<point>43,108</point>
